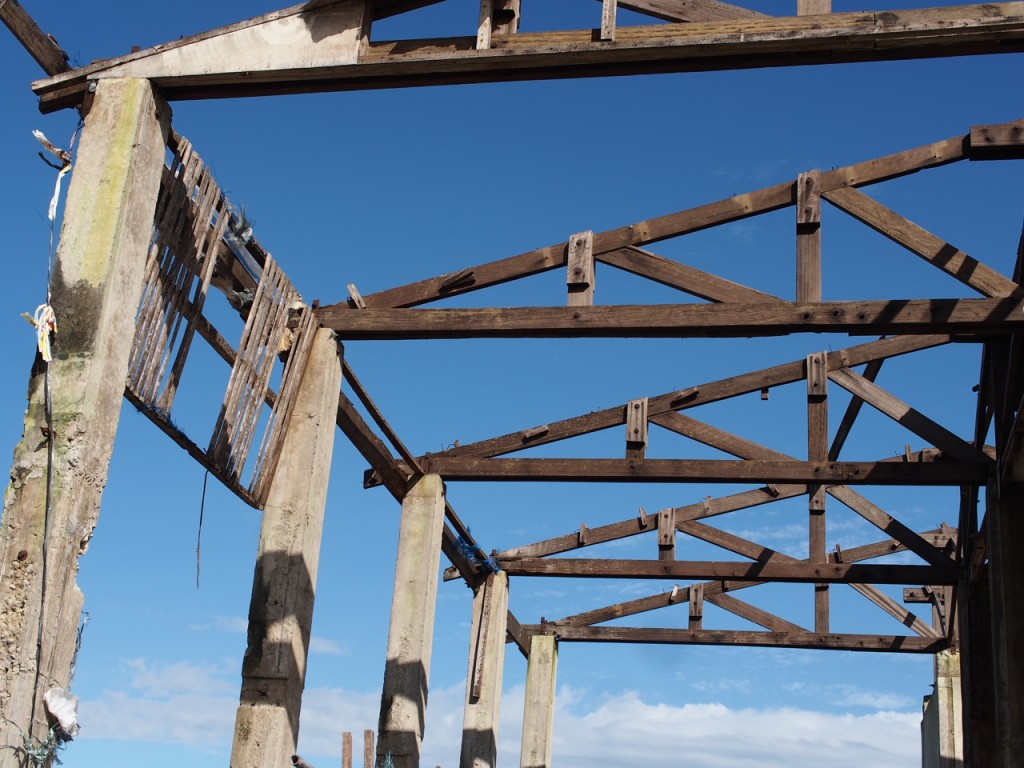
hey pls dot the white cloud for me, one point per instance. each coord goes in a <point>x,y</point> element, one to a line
<point>318,644</point>
<point>194,706</point>
<point>231,623</point>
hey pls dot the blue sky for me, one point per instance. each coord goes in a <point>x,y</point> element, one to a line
<point>383,188</point>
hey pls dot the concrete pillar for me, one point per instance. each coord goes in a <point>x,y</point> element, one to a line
<point>486,670</point>
<point>941,727</point>
<point>284,583</point>
<point>49,516</point>
<point>403,707</point>
<point>976,670</point>
<point>539,708</point>
<point>1005,523</point>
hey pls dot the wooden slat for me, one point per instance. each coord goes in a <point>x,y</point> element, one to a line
<point>908,316</point>
<point>43,48</point>
<point>689,10</point>
<point>799,572</point>
<point>945,473</point>
<point>844,642</point>
<point>754,42</point>
<point>918,240</point>
<point>950,444</point>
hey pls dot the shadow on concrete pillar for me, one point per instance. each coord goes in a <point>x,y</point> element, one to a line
<point>539,706</point>
<point>485,675</point>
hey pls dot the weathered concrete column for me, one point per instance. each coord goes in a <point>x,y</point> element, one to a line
<point>403,707</point>
<point>539,708</point>
<point>284,584</point>
<point>1005,522</point>
<point>941,727</point>
<point>486,670</point>
<point>97,283</point>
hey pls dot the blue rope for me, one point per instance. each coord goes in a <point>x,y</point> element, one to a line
<point>473,554</point>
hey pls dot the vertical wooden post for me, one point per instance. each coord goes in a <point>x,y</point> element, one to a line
<point>1005,525</point>
<point>581,273</point>
<point>368,750</point>
<point>284,582</point>
<point>403,707</point>
<point>636,429</point>
<point>486,671</point>
<point>817,450</point>
<point>696,606</point>
<point>609,11</point>
<point>812,7</point>
<point>539,707</point>
<point>50,510</point>
<point>346,750</point>
<point>667,534</point>
<point>808,236</point>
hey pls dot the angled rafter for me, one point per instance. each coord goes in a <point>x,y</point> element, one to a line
<point>853,409</point>
<point>41,46</point>
<point>932,249</point>
<point>730,44</point>
<point>916,422</point>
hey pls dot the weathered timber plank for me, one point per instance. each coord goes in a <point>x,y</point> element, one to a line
<point>845,642</point>
<point>918,240</point>
<point>808,236</point>
<point>812,7</point>
<point>734,543</point>
<point>997,142</point>
<point>799,572</point>
<point>709,471</point>
<point>908,618</point>
<point>753,614</point>
<point>817,450</point>
<point>711,392</point>
<point>852,412</point>
<point>694,281</point>
<point>898,316</point>
<point>704,46</point>
<point>689,10</point>
<point>40,46</point>
<point>951,444</point>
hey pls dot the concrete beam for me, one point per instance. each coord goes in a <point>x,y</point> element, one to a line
<point>403,708</point>
<point>539,708</point>
<point>486,670</point>
<point>60,466</point>
<point>284,584</point>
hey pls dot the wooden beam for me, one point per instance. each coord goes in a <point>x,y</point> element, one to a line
<point>908,618</point>
<point>949,443</point>
<point>799,572</point>
<point>581,275</point>
<point>661,600</point>
<point>705,46</point>
<point>636,428</point>
<point>711,392</point>
<point>707,471</point>
<point>813,7</point>
<point>997,142</point>
<point>902,316</point>
<point>808,236</point>
<point>817,450</point>
<point>932,249</point>
<point>852,411</point>
<point>609,13</point>
<point>694,281</point>
<point>689,10</point>
<point>752,613</point>
<point>643,635</point>
<point>41,46</point>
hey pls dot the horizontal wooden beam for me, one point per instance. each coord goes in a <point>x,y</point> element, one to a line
<point>798,572</point>
<point>899,316</point>
<point>643,635</point>
<point>706,46</point>
<point>1004,141</point>
<point>689,10</point>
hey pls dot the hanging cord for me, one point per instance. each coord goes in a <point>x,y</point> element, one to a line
<point>45,321</point>
<point>199,534</point>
